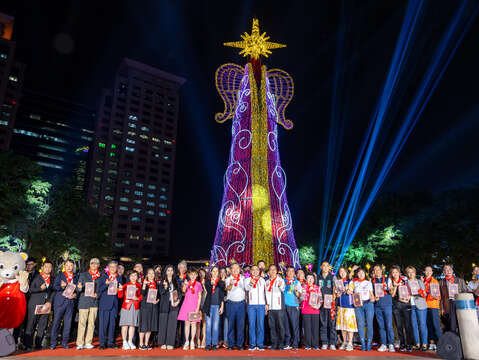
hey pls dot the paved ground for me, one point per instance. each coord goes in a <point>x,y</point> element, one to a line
<point>246,357</point>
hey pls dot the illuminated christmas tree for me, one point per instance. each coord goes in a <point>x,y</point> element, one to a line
<point>254,220</point>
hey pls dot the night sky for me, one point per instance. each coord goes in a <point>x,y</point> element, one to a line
<point>72,49</point>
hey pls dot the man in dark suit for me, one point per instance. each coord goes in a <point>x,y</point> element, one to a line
<point>108,305</point>
<point>63,307</point>
<point>41,293</point>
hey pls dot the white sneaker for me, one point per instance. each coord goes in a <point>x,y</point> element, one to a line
<point>391,348</point>
<point>349,347</point>
<point>343,346</point>
<point>332,347</point>
<point>79,347</point>
<point>131,345</point>
<point>163,347</point>
<point>89,346</point>
<point>324,347</point>
<point>169,347</point>
<point>186,346</point>
<point>126,346</point>
<point>192,346</point>
<point>287,348</point>
<point>382,348</point>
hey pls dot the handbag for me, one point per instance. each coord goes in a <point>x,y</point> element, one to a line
<point>194,316</point>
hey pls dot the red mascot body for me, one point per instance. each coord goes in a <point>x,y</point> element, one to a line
<point>13,305</point>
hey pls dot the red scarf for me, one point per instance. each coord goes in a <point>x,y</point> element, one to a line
<point>426,282</point>
<point>360,280</point>
<point>271,283</point>
<point>213,289</point>
<point>151,284</point>
<point>94,275</point>
<point>450,279</point>
<point>112,277</point>
<point>191,286</point>
<point>255,282</point>
<point>236,279</point>
<point>290,282</point>
<point>47,278</point>
<point>183,277</point>
<point>69,277</point>
<point>310,288</point>
<point>400,282</point>
<point>382,281</point>
<point>303,282</point>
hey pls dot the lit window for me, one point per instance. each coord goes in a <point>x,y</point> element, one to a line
<point>150,212</point>
<point>3,56</point>
<point>112,172</point>
<point>134,237</point>
<point>127,148</point>
<point>129,141</point>
<point>50,147</point>
<point>131,133</point>
<point>166,157</point>
<point>151,195</point>
<point>156,147</point>
<point>87,138</point>
<point>136,210</point>
<point>132,117</point>
<point>124,208</point>
<point>138,193</point>
<point>150,203</point>
<point>144,137</point>
<point>35,116</point>
<point>155,139</point>
<point>137,202</point>
<point>163,189</point>
<point>102,145</point>
<point>148,238</point>
<point>41,163</point>
<point>109,197</point>
<point>167,142</point>
<point>99,162</point>
<point>156,155</point>
<point>49,156</point>
<point>24,132</point>
<point>139,184</point>
<point>132,125</point>
<point>3,122</point>
<point>124,199</point>
<point>163,197</point>
<point>144,128</point>
<point>135,218</point>
<point>152,187</point>
<point>126,191</point>
<point>112,154</point>
<point>13,78</point>
<point>163,206</point>
<point>161,213</point>
<point>96,178</point>
<point>117,131</point>
<point>127,182</point>
<point>99,170</point>
<point>113,146</point>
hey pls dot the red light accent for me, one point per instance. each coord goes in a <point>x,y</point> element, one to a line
<point>173,140</point>
<point>168,211</point>
<point>14,102</point>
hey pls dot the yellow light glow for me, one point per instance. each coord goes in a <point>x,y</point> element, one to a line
<point>255,45</point>
<point>260,196</point>
<point>266,221</point>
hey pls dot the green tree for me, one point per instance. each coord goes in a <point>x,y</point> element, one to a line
<point>307,255</point>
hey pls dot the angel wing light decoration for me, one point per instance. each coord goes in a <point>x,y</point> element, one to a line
<point>254,220</point>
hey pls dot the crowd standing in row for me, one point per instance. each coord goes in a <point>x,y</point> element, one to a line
<point>217,307</point>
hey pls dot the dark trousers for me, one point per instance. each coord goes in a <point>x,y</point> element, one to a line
<point>433,324</point>
<point>327,329</point>
<point>62,312</point>
<point>107,322</point>
<point>402,317</point>
<point>167,328</point>
<point>39,322</point>
<point>311,330</point>
<point>276,319</point>
<point>236,318</point>
<point>450,320</point>
<point>292,326</point>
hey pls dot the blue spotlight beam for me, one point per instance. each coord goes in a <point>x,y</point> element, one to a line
<point>336,128</point>
<point>438,66</point>
<point>400,54</point>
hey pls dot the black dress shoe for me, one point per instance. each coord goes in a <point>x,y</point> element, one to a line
<point>207,348</point>
<point>113,346</point>
<point>214,348</point>
<point>229,348</point>
<point>102,347</point>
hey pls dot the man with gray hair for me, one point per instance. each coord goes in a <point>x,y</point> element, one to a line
<point>87,290</point>
<point>108,287</point>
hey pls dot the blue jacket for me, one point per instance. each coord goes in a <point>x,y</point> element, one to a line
<point>107,302</point>
<point>59,299</point>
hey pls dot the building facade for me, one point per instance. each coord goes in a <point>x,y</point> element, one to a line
<point>11,81</point>
<point>132,160</point>
<point>56,134</point>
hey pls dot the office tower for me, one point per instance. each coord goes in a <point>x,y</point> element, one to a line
<point>56,134</point>
<point>11,81</point>
<point>132,161</point>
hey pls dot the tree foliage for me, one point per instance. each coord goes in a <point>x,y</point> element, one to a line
<point>307,255</point>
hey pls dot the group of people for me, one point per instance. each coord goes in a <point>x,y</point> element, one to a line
<point>242,306</point>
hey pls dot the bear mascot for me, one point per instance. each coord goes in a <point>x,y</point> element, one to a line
<point>13,305</point>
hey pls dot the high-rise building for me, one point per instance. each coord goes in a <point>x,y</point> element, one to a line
<point>55,133</point>
<point>132,160</point>
<point>11,81</point>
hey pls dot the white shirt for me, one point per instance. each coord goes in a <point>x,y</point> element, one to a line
<point>256,295</point>
<point>274,297</point>
<point>364,288</point>
<point>237,292</point>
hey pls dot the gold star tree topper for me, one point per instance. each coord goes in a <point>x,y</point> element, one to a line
<point>255,45</point>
